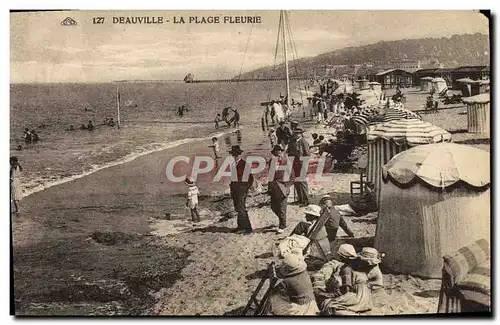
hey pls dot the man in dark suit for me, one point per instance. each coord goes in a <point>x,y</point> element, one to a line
<point>299,147</point>
<point>279,188</point>
<point>335,221</point>
<point>239,191</point>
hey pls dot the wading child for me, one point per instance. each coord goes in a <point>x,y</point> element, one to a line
<point>192,199</point>
<point>217,120</point>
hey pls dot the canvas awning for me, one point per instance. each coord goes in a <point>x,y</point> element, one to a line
<point>440,165</point>
<point>426,78</point>
<point>411,131</point>
<point>438,80</point>
<point>479,99</point>
<point>467,81</point>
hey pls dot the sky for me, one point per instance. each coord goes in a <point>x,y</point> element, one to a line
<point>42,50</point>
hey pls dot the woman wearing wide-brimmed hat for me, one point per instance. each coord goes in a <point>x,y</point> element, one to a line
<point>370,259</point>
<point>356,294</point>
<point>293,294</point>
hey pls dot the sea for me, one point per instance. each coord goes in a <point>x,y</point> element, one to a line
<point>149,123</point>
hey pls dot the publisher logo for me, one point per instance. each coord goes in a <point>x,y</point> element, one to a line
<point>69,22</point>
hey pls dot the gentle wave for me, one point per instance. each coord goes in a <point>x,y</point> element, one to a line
<point>139,152</point>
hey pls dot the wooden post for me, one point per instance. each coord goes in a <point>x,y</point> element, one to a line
<point>118,107</point>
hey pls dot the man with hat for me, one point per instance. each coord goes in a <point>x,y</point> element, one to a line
<point>294,125</point>
<point>335,221</point>
<point>298,148</point>
<point>279,189</point>
<point>304,228</point>
<point>239,191</point>
<point>283,133</point>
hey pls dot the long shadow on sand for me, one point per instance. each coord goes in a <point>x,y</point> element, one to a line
<point>474,141</point>
<point>219,229</point>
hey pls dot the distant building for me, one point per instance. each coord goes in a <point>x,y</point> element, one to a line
<point>394,77</point>
<point>474,72</point>
<point>404,64</point>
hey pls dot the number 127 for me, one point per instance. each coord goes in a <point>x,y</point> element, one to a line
<point>98,20</point>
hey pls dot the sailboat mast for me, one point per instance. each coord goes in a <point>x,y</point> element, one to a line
<point>286,60</point>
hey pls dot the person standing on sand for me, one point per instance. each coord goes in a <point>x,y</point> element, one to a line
<point>284,134</point>
<point>298,148</point>
<point>279,189</point>
<point>236,118</point>
<point>272,137</point>
<point>192,199</point>
<point>215,146</point>
<point>217,120</point>
<point>16,190</point>
<point>239,191</point>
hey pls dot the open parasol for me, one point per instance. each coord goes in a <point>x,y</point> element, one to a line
<point>440,165</point>
<point>410,131</point>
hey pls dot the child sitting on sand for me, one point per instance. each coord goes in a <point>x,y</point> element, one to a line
<point>192,199</point>
<point>215,147</point>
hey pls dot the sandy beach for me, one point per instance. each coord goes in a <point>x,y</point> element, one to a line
<point>118,241</point>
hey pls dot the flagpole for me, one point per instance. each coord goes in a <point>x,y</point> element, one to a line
<point>118,107</point>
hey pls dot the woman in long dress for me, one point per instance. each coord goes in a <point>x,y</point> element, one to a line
<point>15,182</point>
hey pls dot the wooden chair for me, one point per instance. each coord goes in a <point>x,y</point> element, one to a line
<point>359,187</point>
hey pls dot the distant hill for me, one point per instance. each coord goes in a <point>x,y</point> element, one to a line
<point>458,50</point>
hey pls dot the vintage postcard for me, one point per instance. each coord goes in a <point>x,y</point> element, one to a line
<point>277,163</point>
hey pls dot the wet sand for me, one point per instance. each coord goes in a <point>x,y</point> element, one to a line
<point>102,245</point>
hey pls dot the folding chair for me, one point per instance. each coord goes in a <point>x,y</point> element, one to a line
<point>261,308</point>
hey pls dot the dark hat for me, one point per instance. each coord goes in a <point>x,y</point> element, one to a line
<point>281,122</point>
<point>277,148</point>
<point>298,130</point>
<point>236,149</point>
<point>189,181</point>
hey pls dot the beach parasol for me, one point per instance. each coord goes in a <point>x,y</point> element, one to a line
<point>409,114</point>
<point>393,114</point>
<point>440,165</point>
<point>410,131</point>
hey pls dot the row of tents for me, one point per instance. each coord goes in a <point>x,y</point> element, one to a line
<point>433,195</point>
<point>469,87</point>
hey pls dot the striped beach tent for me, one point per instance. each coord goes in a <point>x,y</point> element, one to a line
<point>385,140</point>
<point>478,113</point>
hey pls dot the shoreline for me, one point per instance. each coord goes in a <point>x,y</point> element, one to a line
<point>139,152</point>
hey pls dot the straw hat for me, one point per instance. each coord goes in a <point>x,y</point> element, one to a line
<point>370,255</point>
<point>298,130</point>
<point>293,264</point>
<point>324,198</point>
<point>347,251</point>
<point>313,209</point>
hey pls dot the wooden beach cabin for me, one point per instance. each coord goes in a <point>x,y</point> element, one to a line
<point>425,83</point>
<point>478,113</point>
<point>394,77</point>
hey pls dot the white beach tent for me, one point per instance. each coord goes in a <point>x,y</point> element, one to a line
<point>387,139</point>
<point>425,83</point>
<point>439,85</point>
<point>435,199</point>
<point>376,86</point>
<point>478,113</point>
<point>370,97</point>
